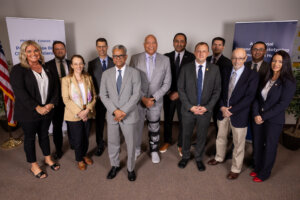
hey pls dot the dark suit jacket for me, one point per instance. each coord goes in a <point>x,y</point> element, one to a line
<point>262,70</point>
<point>95,70</point>
<point>278,99</point>
<point>187,57</point>
<point>51,65</point>
<point>224,64</point>
<point>242,97</point>
<point>187,87</point>
<point>27,93</point>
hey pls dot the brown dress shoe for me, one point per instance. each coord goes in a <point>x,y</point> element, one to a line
<point>164,148</point>
<point>81,165</point>
<point>88,161</point>
<point>213,162</point>
<point>232,175</point>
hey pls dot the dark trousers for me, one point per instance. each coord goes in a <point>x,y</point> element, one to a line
<point>215,114</point>
<point>265,141</point>
<point>169,111</point>
<point>100,119</point>
<point>57,122</point>
<point>39,127</point>
<point>202,123</point>
<point>80,131</point>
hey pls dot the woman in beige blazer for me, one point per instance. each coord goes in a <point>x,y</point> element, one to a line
<point>79,97</point>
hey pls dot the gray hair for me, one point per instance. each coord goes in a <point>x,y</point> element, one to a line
<point>120,46</point>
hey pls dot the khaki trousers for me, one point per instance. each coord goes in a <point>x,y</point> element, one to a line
<point>239,138</point>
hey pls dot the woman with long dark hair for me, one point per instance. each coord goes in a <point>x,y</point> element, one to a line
<point>274,95</point>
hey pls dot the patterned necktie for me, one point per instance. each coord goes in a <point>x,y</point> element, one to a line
<point>177,63</point>
<point>199,85</point>
<point>62,69</point>
<point>231,86</point>
<point>119,81</point>
<point>255,67</point>
<point>103,65</point>
<point>151,67</point>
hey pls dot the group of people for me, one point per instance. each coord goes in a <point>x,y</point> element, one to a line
<point>233,92</point>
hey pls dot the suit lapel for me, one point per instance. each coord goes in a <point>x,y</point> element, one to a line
<point>241,80</point>
<point>112,75</point>
<point>49,83</point>
<point>272,89</point>
<point>206,77</point>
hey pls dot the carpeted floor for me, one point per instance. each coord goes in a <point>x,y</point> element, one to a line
<point>154,181</point>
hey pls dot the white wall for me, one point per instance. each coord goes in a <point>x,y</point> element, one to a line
<point>127,22</point>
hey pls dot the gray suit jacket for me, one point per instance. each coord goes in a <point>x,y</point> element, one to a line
<point>187,87</point>
<point>161,78</point>
<point>129,96</point>
<point>95,70</point>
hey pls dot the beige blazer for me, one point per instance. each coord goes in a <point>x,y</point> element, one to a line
<point>72,97</point>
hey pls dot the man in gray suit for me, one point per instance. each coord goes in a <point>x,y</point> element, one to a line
<point>95,68</point>
<point>199,88</point>
<point>156,80</point>
<point>120,92</point>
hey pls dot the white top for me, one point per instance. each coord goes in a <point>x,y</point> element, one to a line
<point>203,70</point>
<point>265,91</point>
<point>82,91</point>
<point>122,72</point>
<point>42,81</point>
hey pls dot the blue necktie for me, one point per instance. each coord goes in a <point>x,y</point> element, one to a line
<point>103,65</point>
<point>199,85</point>
<point>119,81</point>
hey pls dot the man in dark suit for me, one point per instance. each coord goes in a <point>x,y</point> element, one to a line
<point>238,91</point>
<point>178,58</point>
<point>95,68</point>
<point>59,66</point>
<point>258,52</point>
<point>199,88</point>
<point>217,47</point>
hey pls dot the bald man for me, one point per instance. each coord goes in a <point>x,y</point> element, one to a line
<point>156,80</point>
<point>238,91</point>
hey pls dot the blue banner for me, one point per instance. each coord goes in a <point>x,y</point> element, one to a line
<point>277,36</point>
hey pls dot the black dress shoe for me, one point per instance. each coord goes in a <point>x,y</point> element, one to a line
<point>113,172</point>
<point>99,151</point>
<point>57,155</point>
<point>131,175</point>
<point>200,165</point>
<point>183,163</point>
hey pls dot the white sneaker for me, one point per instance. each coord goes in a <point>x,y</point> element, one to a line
<point>155,157</point>
<point>137,153</point>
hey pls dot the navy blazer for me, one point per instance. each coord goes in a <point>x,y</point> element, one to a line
<point>242,97</point>
<point>278,99</point>
<point>27,94</point>
<point>95,70</point>
<point>187,57</point>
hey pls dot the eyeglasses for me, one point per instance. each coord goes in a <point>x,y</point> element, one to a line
<point>239,59</point>
<point>118,56</point>
<point>260,50</point>
<point>101,47</point>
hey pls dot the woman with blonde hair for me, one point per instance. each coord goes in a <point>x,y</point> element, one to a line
<point>36,95</point>
<point>79,97</point>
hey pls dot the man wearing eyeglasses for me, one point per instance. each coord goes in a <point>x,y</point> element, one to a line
<point>156,80</point>
<point>96,68</point>
<point>59,66</point>
<point>238,91</point>
<point>258,52</point>
<point>120,92</point>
